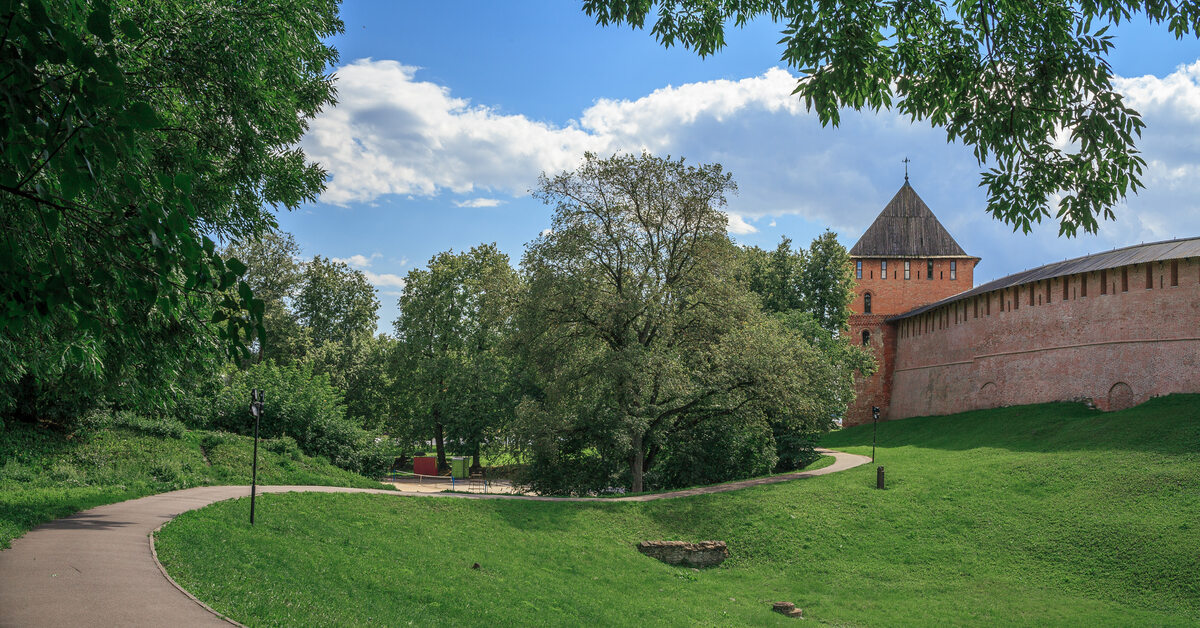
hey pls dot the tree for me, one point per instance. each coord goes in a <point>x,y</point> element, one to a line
<point>810,292</point>
<point>1026,84</point>
<point>641,334</point>
<point>134,134</point>
<point>274,274</point>
<point>360,371</point>
<point>454,318</point>
<point>336,303</point>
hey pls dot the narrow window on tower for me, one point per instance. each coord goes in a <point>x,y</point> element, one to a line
<point>1016,302</point>
<point>867,303</point>
<point>883,269</point>
<point>988,305</point>
<point>1083,285</point>
<point>929,269</point>
<point>1124,279</point>
<point>1031,287</point>
<point>1066,289</point>
<point>858,269</point>
<point>976,303</point>
<point>866,338</point>
<point>1104,282</point>
<point>1149,276</point>
<point>1047,292</point>
<point>953,270</point>
<point>1174,272</point>
<point>907,269</point>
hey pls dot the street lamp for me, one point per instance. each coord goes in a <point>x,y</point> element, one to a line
<point>875,415</point>
<point>256,402</point>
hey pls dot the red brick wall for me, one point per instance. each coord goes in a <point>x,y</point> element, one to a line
<point>1117,349</point>
<point>894,295</point>
<point>875,390</point>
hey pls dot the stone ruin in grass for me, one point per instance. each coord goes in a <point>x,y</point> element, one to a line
<point>702,554</point>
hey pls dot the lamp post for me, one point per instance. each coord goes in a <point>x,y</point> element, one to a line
<point>256,401</point>
<point>875,429</point>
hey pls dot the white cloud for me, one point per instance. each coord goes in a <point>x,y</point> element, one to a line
<point>357,261</point>
<point>479,202</point>
<point>384,280</point>
<point>392,133</point>
<point>739,226</point>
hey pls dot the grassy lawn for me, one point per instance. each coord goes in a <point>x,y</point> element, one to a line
<point>46,475</point>
<point>1036,515</point>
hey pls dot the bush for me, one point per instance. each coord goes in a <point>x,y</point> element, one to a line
<point>796,449</point>
<point>299,405</point>
<point>160,425</point>
<point>714,451</point>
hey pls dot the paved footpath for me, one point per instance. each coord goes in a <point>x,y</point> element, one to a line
<point>97,567</point>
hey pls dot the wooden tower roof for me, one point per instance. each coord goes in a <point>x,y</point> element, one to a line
<point>907,228</point>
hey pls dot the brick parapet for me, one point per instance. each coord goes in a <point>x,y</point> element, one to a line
<point>1117,346</point>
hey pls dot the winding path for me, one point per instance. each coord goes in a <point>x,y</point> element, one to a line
<point>98,568</point>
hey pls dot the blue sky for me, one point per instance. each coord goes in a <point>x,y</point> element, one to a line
<point>449,111</point>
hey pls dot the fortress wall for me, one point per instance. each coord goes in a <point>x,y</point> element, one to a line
<point>876,389</point>
<point>1118,348</point>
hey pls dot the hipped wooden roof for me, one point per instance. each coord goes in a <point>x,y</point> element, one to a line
<point>907,228</point>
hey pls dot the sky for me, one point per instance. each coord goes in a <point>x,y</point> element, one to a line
<point>448,112</point>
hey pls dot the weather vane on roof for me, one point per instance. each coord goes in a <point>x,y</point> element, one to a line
<point>906,160</point>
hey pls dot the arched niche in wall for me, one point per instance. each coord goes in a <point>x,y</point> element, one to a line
<point>1120,396</point>
<point>988,396</point>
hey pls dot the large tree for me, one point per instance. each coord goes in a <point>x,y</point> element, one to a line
<point>134,135</point>
<point>641,333</point>
<point>1027,85</point>
<point>275,274</point>
<point>336,303</point>
<point>453,368</point>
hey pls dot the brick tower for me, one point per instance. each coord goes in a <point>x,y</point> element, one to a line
<point>906,259</point>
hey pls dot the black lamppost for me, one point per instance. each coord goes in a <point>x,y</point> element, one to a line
<point>875,431</point>
<point>875,428</point>
<point>256,401</point>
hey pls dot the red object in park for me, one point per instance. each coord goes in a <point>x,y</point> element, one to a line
<point>425,465</point>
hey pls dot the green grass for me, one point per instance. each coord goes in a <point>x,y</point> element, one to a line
<point>45,475</point>
<point>1036,515</point>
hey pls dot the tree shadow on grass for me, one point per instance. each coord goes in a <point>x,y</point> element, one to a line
<point>1164,425</point>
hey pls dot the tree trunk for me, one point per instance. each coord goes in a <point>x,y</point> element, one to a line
<point>475,457</point>
<point>636,463</point>
<point>439,437</point>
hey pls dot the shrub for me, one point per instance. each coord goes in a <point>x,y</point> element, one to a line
<point>298,404</point>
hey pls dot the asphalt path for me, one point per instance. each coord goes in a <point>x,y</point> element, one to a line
<point>98,568</point>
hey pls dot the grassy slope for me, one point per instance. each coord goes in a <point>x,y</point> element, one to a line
<point>1047,515</point>
<point>44,475</point>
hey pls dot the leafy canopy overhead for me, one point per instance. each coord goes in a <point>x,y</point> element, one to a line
<point>133,135</point>
<point>1027,85</point>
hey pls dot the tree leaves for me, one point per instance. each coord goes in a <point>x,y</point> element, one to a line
<point>1010,80</point>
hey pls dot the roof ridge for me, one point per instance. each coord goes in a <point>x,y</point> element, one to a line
<point>1061,268</point>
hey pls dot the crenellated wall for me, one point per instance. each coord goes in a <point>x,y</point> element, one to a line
<point>1119,345</point>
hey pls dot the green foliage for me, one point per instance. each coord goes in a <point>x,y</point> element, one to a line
<point>301,405</point>
<point>274,275</point>
<point>134,133</point>
<point>1034,515</point>
<point>451,368</point>
<point>335,303</point>
<point>1011,80</point>
<point>47,474</point>
<point>359,370</point>
<point>645,344</point>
